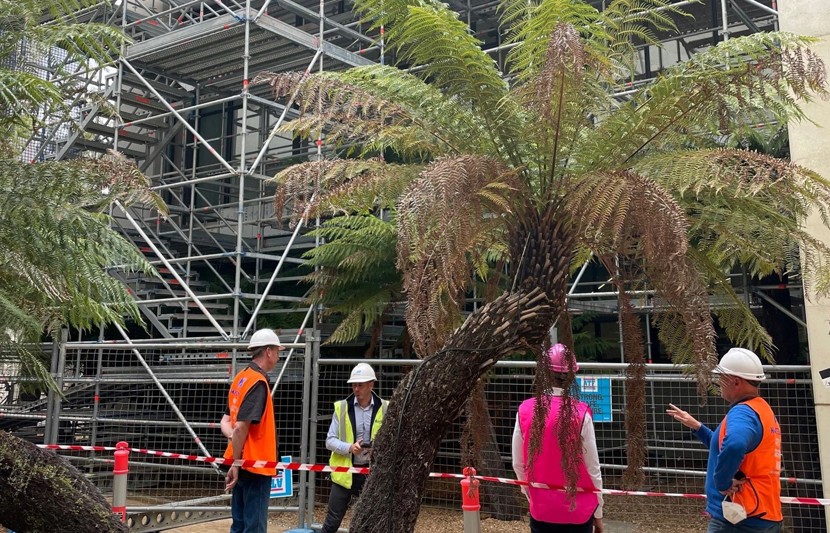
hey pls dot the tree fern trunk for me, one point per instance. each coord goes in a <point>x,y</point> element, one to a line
<point>500,501</point>
<point>43,493</point>
<point>635,395</point>
<point>432,396</point>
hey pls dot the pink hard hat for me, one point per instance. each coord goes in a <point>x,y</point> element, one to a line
<point>559,359</point>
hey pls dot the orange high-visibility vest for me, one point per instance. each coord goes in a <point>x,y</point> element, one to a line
<point>261,444</point>
<point>761,494</point>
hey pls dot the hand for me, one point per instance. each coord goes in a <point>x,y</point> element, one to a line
<point>355,447</point>
<point>598,527</point>
<point>231,478</point>
<point>735,488</point>
<point>683,417</point>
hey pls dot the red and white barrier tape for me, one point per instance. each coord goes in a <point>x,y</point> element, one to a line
<point>356,470</point>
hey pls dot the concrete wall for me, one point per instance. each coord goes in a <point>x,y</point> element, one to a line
<point>810,146</point>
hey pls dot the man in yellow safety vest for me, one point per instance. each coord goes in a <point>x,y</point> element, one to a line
<point>355,423</point>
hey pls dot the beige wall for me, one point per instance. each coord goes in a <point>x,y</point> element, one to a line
<point>810,146</point>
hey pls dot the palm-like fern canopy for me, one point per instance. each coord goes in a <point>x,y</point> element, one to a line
<point>638,182</point>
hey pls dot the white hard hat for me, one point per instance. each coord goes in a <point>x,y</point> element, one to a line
<point>264,337</point>
<point>742,363</point>
<point>361,373</point>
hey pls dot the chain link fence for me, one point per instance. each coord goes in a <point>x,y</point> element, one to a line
<point>171,397</point>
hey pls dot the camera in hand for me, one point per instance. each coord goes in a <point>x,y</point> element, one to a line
<point>367,444</point>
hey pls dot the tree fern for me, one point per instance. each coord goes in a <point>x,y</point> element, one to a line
<point>557,171</point>
<point>57,245</point>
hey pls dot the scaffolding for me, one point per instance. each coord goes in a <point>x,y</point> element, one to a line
<point>180,102</point>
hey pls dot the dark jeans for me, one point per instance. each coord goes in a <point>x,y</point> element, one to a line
<point>249,503</point>
<point>546,527</point>
<point>339,501</point>
<point>721,526</point>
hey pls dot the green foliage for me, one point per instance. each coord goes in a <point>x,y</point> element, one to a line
<point>56,243</point>
<point>587,346</point>
<point>355,274</point>
<point>24,37</point>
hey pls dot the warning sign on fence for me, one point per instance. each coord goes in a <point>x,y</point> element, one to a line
<point>282,485</point>
<point>596,392</point>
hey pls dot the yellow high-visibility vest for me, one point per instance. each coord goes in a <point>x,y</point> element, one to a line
<point>346,434</point>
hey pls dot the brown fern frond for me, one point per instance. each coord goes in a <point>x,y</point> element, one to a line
<point>350,114</point>
<point>442,221</point>
<point>340,186</point>
<point>561,94</point>
<point>649,229</point>
<point>563,69</point>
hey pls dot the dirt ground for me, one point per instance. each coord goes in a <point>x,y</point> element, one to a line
<point>645,519</point>
<point>623,515</point>
<point>430,521</point>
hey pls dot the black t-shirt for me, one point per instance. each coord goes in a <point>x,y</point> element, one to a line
<point>253,405</point>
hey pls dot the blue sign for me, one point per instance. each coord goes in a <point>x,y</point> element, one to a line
<point>596,392</point>
<point>282,485</point>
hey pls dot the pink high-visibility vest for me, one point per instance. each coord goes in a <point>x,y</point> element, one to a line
<point>547,505</point>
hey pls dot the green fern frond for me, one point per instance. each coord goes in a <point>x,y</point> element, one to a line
<point>627,22</point>
<point>746,207</point>
<point>446,117</point>
<point>708,93</point>
<point>57,274</point>
<point>530,26</point>
<point>429,36</point>
<point>355,274</point>
<point>354,109</point>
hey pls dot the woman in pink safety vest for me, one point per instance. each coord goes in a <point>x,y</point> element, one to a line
<point>553,511</point>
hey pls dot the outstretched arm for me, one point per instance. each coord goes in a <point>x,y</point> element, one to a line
<point>683,417</point>
<point>703,433</point>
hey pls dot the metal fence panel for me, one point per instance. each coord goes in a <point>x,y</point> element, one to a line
<point>676,461</point>
<point>110,397</point>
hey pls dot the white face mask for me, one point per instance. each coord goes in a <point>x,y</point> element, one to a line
<point>733,512</point>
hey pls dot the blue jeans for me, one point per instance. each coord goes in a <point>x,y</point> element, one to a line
<point>249,503</point>
<point>721,526</point>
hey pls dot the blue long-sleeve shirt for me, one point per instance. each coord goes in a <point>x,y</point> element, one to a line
<point>744,432</point>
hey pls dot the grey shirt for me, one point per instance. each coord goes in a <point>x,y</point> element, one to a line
<point>363,430</point>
